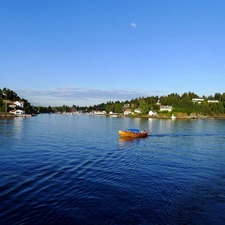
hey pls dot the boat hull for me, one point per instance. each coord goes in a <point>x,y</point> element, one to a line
<point>133,134</point>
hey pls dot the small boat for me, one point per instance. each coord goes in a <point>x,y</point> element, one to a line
<point>136,133</point>
<point>173,117</point>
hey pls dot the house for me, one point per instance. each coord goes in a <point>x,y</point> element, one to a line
<point>127,112</point>
<point>98,112</point>
<point>137,111</point>
<point>12,105</point>
<point>197,100</point>
<point>17,112</point>
<point>166,108</point>
<point>213,101</point>
<point>152,113</point>
<point>126,106</point>
<point>19,103</point>
<point>158,103</point>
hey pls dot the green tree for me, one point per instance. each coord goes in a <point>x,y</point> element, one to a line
<point>2,106</point>
<point>27,107</point>
<point>118,107</point>
<point>205,109</point>
<point>143,106</point>
<point>109,108</point>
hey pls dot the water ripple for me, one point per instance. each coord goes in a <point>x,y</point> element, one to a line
<point>55,169</point>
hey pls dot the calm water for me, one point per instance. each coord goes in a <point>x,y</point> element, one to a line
<point>70,169</point>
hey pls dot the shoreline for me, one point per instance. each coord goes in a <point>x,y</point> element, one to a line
<point>8,115</point>
<point>11,116</point>
<point>178,116</point>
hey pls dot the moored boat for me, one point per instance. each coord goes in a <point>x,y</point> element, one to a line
<point>133,133</point>
<point>173,117</point>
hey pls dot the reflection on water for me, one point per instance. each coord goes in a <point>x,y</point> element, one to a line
<point>18,127</point>
<point>131,139</point>
<point>128,139</point>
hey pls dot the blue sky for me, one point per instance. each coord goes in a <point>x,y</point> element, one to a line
<point>85,52</point>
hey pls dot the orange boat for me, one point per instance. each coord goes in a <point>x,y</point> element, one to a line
<point>133,133</point>
<point>128,139</point>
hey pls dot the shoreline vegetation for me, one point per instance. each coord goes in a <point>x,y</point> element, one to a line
<point>173,106</point>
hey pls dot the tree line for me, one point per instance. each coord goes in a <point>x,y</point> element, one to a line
<point>180,103</point>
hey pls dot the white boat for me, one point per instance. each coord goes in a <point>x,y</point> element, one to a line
<point>173,117</point>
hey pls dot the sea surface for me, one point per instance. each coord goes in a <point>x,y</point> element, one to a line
<point>74,169</point>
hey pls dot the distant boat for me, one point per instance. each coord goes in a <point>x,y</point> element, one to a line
<point>135,133</point>
<point>27,115</point>
<point>173,117</point>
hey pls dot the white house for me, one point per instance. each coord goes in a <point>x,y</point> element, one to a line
<point>152,113</point>
<point>166,108</point>
<point>213,101</point>
<point>12,105</point>
<point>17,112</point>
<point>19,103</point>
<point>126,106</point>
<point>198,100</point>
<point>98,112</point>
<point>137,111</point>
<point>127,112</point>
